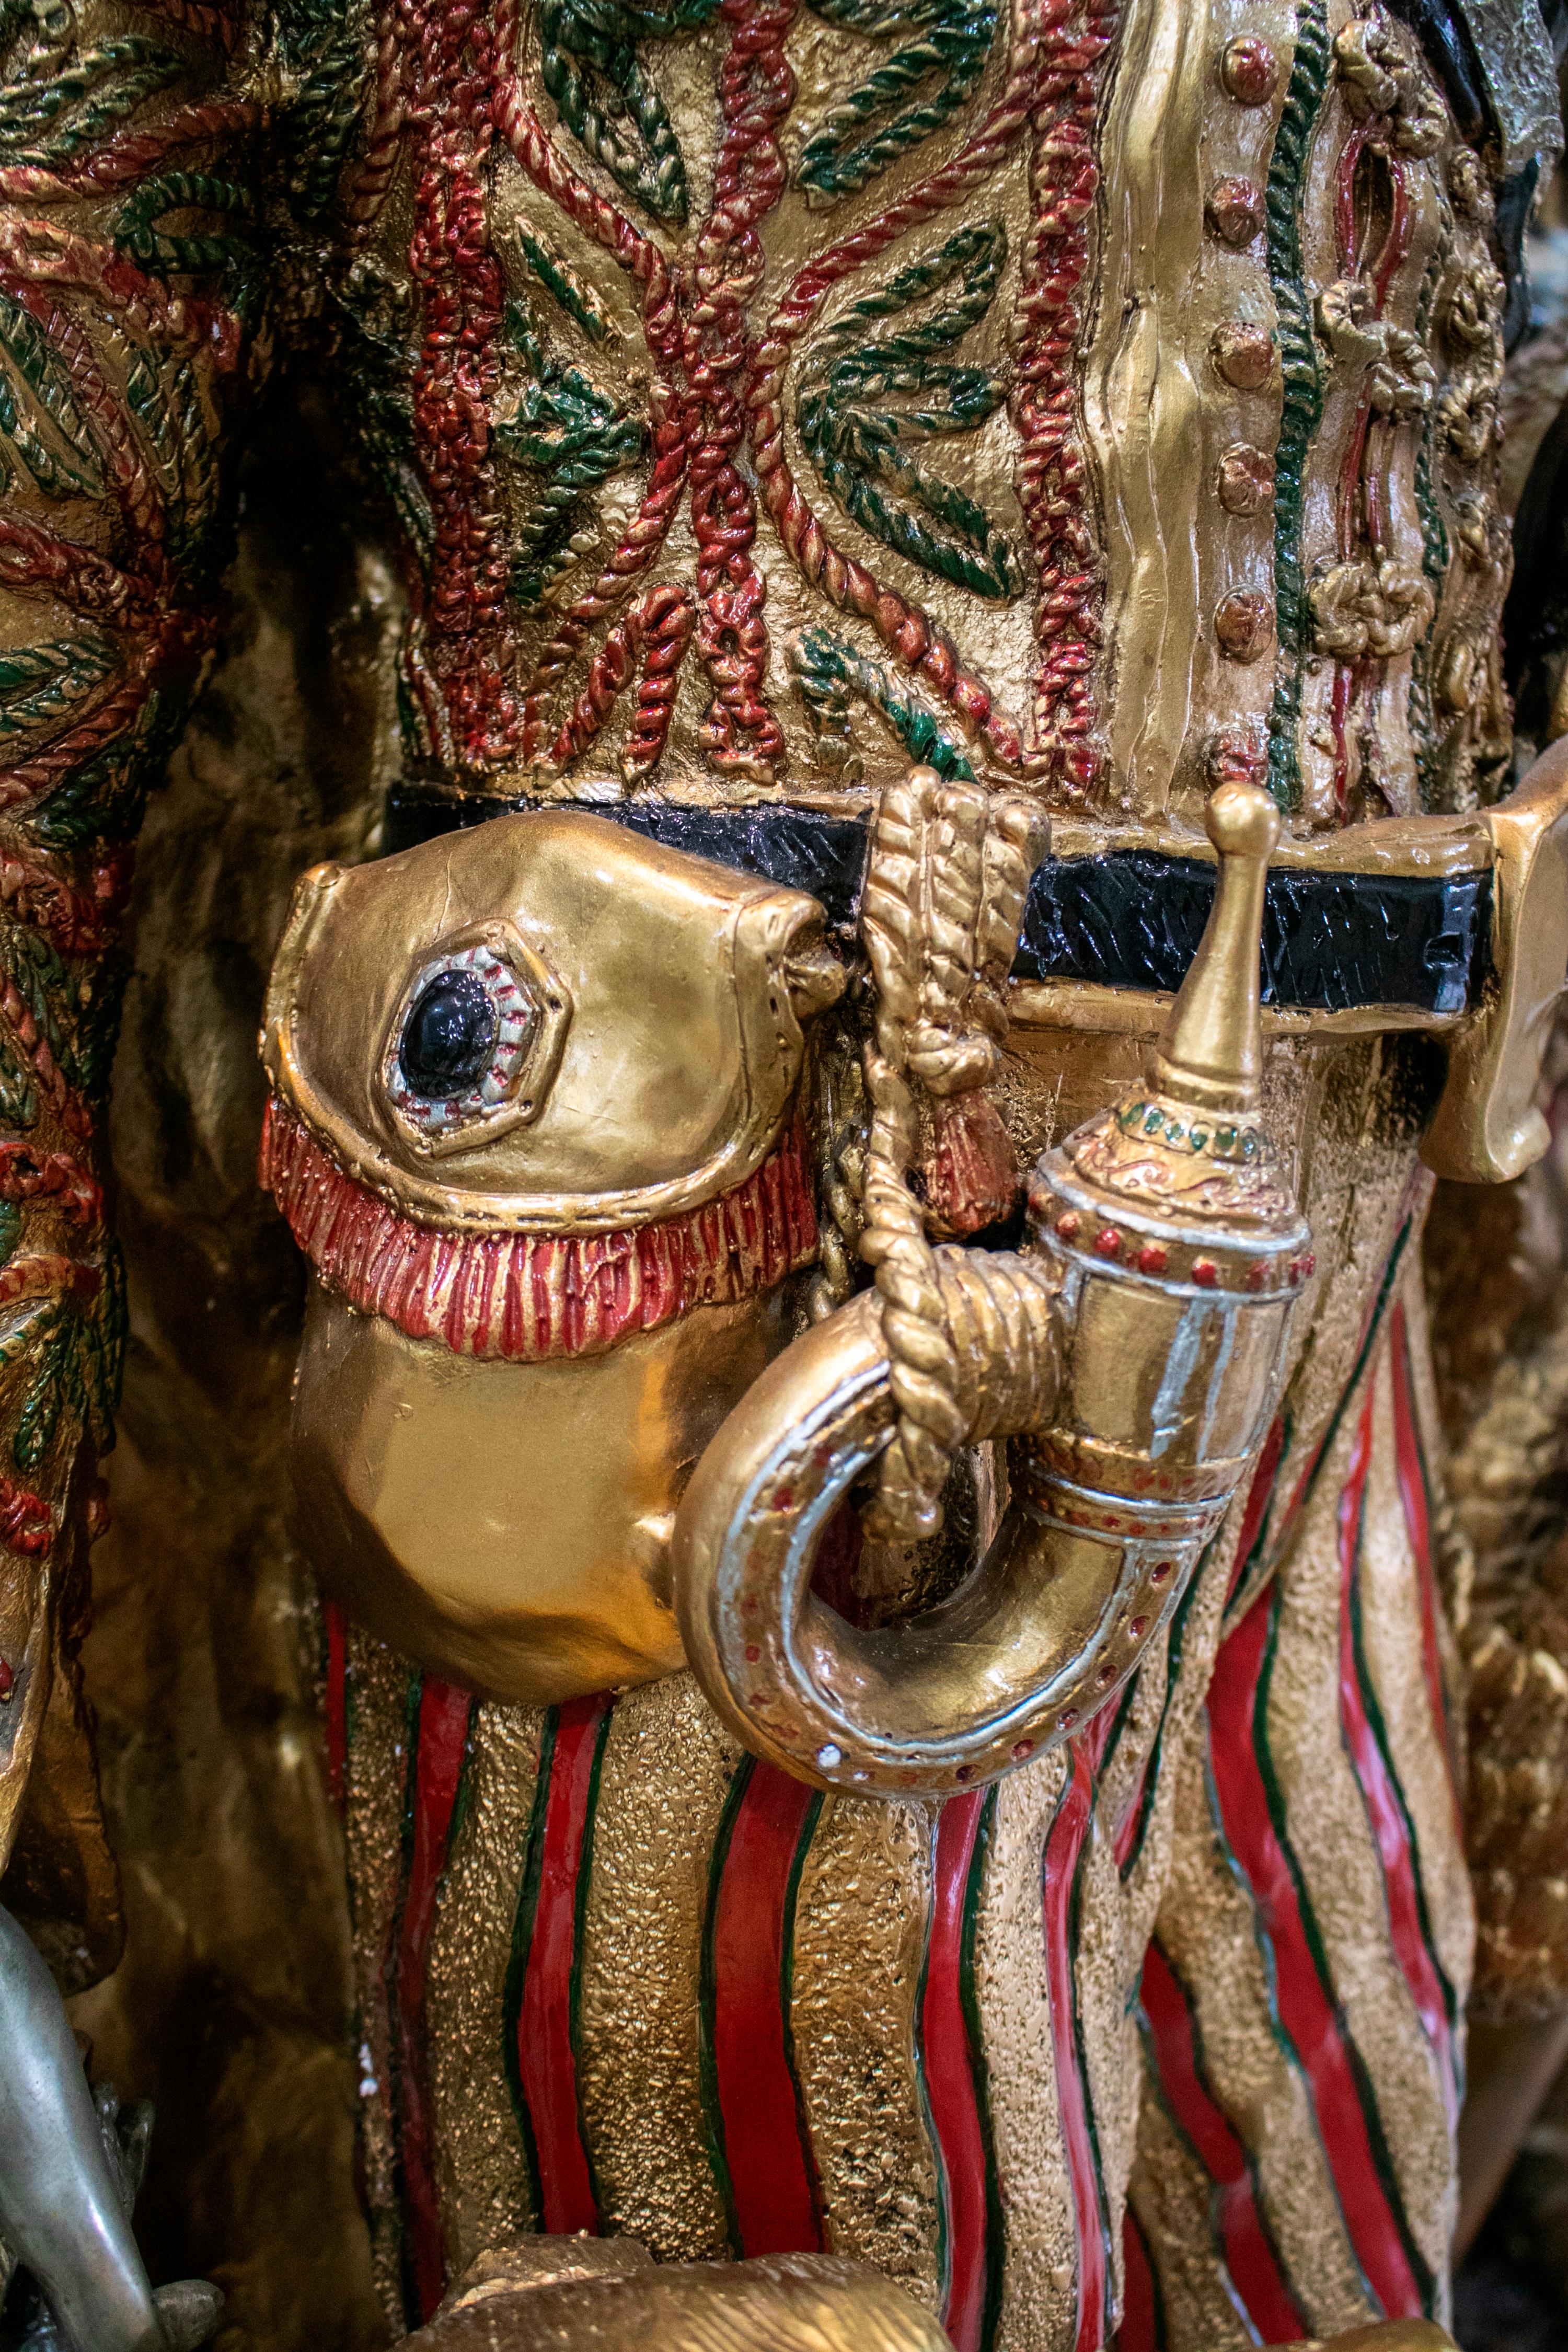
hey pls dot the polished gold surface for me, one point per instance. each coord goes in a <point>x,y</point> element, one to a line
<point>799,2303</point>
<point>508,1524</point>
<point>678,1045</point>
<point>1209,1058</point>
<point>1100,1011</point>
<point>1488,1128</point>
<point>489,1446</point>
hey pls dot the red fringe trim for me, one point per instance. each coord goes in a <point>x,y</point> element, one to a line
<point>527,1297</point>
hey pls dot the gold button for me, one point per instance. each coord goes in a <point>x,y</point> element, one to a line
<point>1244,625</point>
<point>1244,355</point>
<point>1246,478</point>
<point>1248,71</point>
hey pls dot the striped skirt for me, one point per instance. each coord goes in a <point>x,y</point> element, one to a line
<point>1163,2032</point>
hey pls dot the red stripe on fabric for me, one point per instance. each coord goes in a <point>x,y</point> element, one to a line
<point>1384,1810</point>
<point>1307,1483</point>
<point>771,2180</point>
<point>1259,1497</point>
<point>1306,2010</point>
<point>1063,1846</point>
<point>1248,2256</point>
<point>1411,1464</point>
<point>547,2064</point>
<point>1132,1813</point>
<point>441,1738</point>
<point>336,1706</point>
<point>949,2067</point>
<point>1140,2329</point>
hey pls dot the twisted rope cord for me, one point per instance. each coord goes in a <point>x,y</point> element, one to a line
<point>945,891</point>
<point>756,84</point>
<point>924,1373</point>
<point>388,114</point>
<point>840,1178</point>
<point>1003,1313</point>
<point>659,627</point>
<point>1054,481</point>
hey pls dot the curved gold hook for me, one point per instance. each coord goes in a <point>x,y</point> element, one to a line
<point>1134,1351</point>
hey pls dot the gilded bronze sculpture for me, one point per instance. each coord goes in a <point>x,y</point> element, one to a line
<point>943,867</point>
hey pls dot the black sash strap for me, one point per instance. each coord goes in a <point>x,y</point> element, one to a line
<point>1131,919</point>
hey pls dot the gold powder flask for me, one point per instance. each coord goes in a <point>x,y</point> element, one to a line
<point>1134,1352</point>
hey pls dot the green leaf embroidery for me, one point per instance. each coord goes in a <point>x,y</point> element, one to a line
<point>902,100</point>
<point>569,430</point>
<point>187,252</point>
<point>556,275</point>
<point>832,676</point>
<point>378,334</point>
<point>327,45</point>
<point>864,449</point>
<point>589,66</point>
<point>41,685</point>
<point>29,361</point>
<point>74,1347</point>
<point>63,105</point>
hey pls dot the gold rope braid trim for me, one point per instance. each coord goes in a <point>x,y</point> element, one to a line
<point>946,889</point>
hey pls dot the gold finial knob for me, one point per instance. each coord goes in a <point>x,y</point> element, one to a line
<point>1211,1055</point>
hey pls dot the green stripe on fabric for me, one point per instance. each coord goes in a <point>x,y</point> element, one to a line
<point>708,2000</point>
<point>517,1959</point>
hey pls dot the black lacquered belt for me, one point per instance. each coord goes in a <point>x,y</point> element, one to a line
<point>1332,942</point>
